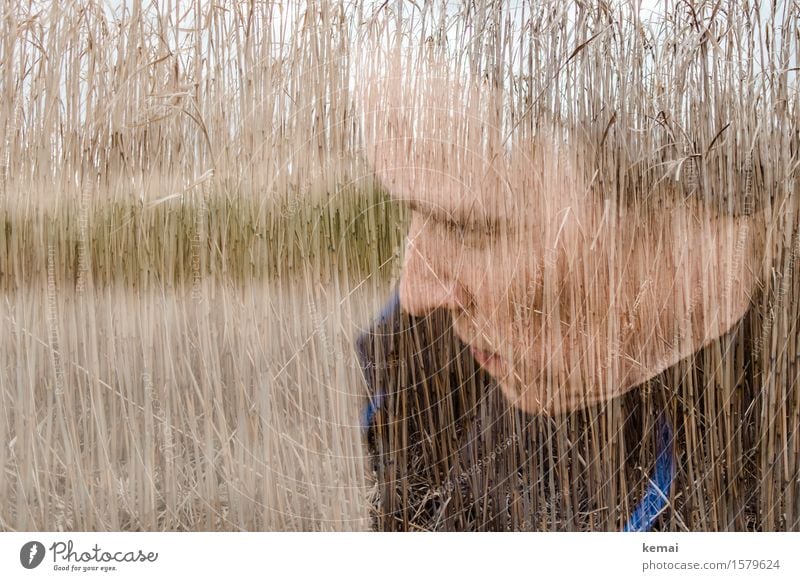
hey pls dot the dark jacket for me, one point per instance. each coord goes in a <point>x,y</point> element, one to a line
<point>449,453</point>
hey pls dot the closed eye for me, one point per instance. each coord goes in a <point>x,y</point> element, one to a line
<point>467,232</point>
<point>470,233</point>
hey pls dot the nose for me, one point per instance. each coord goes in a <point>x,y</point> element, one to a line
<point>426,283</point>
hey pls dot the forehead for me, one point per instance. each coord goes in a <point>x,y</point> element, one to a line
<point>439,144</point>
<point>498,184</point>
<point>435,186</point>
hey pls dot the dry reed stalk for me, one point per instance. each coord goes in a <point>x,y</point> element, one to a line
<point>194,152</point>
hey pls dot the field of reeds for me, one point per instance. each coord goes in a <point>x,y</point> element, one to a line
<point>191,241</point>
<point>186,257</point>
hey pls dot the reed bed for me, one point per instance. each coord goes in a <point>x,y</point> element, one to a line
<point>155,409</point>
<point>193,237</point>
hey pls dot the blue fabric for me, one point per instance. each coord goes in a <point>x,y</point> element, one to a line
<point>656,498</point>
<point>368,415</point>
<point>375,402</point>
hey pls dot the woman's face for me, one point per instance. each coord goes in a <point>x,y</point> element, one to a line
<point>565,300</point>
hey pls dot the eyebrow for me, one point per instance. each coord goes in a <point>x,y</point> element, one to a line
<point>460,216</point>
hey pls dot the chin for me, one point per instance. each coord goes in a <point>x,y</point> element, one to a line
<point>526,400</point>
<point>534,401</point>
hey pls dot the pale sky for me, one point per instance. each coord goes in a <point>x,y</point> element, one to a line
<point>651,11</point>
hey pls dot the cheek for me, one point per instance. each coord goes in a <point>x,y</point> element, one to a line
<point>492,280</point>
<point>521,310</point>
<point>560,304</point>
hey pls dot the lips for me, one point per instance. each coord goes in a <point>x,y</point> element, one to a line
<point>489,360</point>
<point>486,359</point>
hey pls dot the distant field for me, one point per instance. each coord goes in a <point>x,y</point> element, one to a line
<point>234,238</point>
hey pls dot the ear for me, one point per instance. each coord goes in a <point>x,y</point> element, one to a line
<point>729,272</point>
<point>715,266</point>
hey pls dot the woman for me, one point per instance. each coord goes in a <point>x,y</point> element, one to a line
<point>558,356</point>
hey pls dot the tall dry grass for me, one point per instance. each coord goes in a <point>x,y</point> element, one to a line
<point>223,407</point>
<point>189,246</point>
<point>192,239</point>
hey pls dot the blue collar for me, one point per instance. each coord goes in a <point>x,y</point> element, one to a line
<point>656,497</point>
